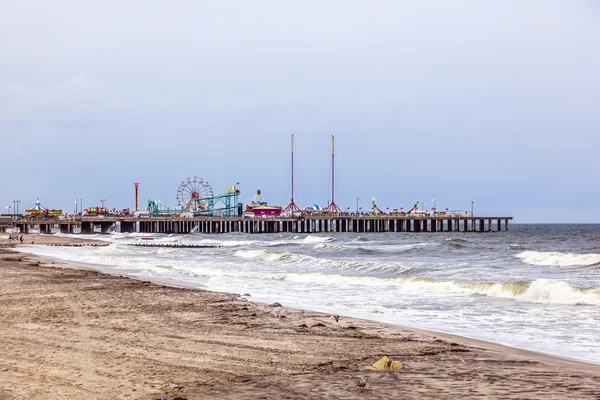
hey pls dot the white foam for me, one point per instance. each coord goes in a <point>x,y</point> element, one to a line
<point>552,258</point>
<point>317,239</point>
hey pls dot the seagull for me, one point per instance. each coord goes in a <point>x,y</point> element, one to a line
<point>362,383</point>
<point>336,318</point>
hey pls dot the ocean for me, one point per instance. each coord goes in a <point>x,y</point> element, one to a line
<point>535,287</point>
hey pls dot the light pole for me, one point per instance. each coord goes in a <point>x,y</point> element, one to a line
<point>18,201</point>
<point>76,203</point>
<point>81,208</point>
<point>433,204</point>
<point>357,206</point>
<point>8,208</point>
<point>103,200</point>
<point>424,207</point>
<point>472,202</point>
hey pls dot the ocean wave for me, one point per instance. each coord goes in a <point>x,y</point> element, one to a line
<point>392,248</point>
<point>266,255</point>
<point>514,246</point>
<point>329,247</point>
<point>552,258</point>
<point>546,291</point>
<point>456,240</point>
<point>539,291</point>
<point>316,263</point>
<point>317,239</point>
<point>456,245</point>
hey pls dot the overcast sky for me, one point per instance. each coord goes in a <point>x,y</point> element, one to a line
<point>496,102</point>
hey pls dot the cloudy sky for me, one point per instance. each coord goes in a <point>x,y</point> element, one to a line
<point>496,102</point>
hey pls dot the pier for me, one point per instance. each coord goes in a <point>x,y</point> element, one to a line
<point>322,223</point>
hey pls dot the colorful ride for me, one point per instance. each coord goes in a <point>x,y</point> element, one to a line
<point>195,197</point>
<point>258,207</point>
<point>39,212</point>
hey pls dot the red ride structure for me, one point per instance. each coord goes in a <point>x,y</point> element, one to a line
<point>292,207</point>
<point>332,207</point>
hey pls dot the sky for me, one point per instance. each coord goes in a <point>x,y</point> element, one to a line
<point>491,102</point>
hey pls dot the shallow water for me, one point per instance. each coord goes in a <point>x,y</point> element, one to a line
<point>535,286</point>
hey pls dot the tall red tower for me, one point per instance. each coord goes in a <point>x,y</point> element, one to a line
<point>292,207</point>
<point>136,195</point>
<point>332,207</point>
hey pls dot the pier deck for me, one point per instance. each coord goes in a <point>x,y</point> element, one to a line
<point>307,224</point>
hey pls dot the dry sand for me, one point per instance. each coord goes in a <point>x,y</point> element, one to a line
<point>70,333</point>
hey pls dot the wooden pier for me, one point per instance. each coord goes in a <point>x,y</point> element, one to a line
<point>307,224</point>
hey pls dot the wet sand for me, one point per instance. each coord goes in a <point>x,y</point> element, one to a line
<point>69,333</point>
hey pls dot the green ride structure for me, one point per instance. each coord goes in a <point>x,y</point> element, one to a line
<point>195,197</point>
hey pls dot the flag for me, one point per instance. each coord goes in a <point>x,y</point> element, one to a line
<point>446,208</point>
<point>402,208</point>
<point>360,208</point>
<point>387,208</point>
<point>237,183</point>
<point>347,208</point>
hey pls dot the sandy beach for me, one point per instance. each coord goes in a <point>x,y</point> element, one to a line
<point>71,333</point>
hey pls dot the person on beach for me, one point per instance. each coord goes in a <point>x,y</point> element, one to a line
<point>21,239</point>
<point>32,239</point>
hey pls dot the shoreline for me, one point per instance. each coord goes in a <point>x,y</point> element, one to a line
<point>303,354</point>
<point>113,270</point>
<point>487,344</point>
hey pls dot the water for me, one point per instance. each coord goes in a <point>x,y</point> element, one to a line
<point>535,287</point>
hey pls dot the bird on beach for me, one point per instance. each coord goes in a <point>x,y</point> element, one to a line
<point>336,318</point>
<point>362,383</point>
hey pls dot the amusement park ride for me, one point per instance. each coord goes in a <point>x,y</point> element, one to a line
<point>195,197</point>
<point>38,212</point>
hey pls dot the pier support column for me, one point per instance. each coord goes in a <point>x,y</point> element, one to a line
<point>86,227</point>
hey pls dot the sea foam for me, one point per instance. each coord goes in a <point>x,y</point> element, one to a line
<point>552,258</point>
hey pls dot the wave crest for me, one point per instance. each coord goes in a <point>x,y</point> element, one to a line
<point>553,258</point>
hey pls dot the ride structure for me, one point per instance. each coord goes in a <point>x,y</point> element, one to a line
<point>292,207</point>
<point>332,207</point>
<point>258,207</point>
<point>375,209</point>
<point>415,208</point>
<point>38,212</point>
<point>195,197</point>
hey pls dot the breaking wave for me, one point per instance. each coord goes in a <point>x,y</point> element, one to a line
<point>546,291</point>
<point>310,263</point>
<point>394,248</point>
<point>317,239</point>
<point>551,258</point>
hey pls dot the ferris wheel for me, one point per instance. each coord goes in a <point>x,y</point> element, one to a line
<point>192,194</point>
